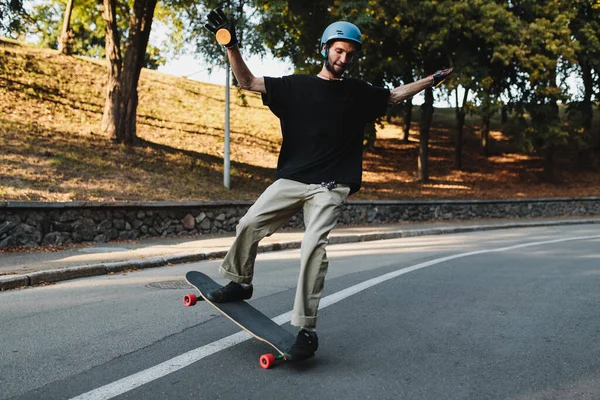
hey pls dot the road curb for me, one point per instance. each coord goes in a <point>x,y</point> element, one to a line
<point>13,281</point>
<point>9,282</point>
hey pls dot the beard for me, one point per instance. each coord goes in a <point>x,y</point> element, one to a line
<point>330,68</point>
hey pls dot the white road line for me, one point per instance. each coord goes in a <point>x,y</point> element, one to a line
<point>158,371</point>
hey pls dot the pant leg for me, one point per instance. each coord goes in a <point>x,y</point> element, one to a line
<point>321,212</point>
<point>278,203</point>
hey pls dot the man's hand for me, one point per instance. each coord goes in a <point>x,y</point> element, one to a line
<point>440,76</point>
<point>220,26</point>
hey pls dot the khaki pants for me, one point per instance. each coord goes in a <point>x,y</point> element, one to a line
<point>282,200</point>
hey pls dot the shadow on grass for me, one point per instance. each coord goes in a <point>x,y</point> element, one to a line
<point>396,164</point>
<point>220,100</point>
<point>50,94</point>
<point>53,95</point>
<point>262,173</point>
<point>63,165</point>
<point>199,129</point>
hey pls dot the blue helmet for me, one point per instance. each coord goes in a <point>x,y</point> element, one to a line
<point>340,30</point>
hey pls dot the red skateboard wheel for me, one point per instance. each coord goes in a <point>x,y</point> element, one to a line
<point>267,361</point>
<point>190,300</point>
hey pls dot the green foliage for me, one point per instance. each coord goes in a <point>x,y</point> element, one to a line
<point>578,117</point>
<point>86,24</point>
<point>88,28</point>
<point>370,136</point>
<point>170,15</point>
<point>546,42</point>
<point>292,30</point>
<point>242,14</point>
<point>11,16</point>
<point>545,129</point>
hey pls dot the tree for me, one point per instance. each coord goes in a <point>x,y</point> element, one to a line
<point>481,40</point>
<point>55,21</point>
<point>461,46</point>
<point>80,35</point>
<point>119,120</point>
<point>48,20</point>
<point>292,30</point>
<point>389,55</point>
<point>546,41</point>
<point>585,26</point>
<point>498,49</point>
<point>431,42</point>
<point>65,37</point>
<point>424,130</point>
<point>11,16</point>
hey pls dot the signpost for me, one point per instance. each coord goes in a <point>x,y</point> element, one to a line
<point>226,161</point>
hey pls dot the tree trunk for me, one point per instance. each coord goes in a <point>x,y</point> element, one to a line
<point>135,50</point>
<point>120,109</point>
<point>113,57</point>
<point>426,117</point>
<point>588,85</point>
<point>485,133</point>
<point>64,45</point>
<point>458,139</point>
<point>585,156</point>
<point>550,148</point>
<point>460,124</point>
<point>407,118</point>
<point>370,135</point>
<point>596,145</point>
<point>548,169</point>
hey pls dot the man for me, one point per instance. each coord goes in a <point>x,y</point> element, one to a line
<point>320,162</point>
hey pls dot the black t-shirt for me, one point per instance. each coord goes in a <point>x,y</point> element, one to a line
<point>323,122</point>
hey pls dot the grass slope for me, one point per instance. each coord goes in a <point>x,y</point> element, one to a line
<point>52,149</point>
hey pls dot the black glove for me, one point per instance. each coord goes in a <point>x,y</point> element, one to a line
<point>440,76</point>
<point>220,26</point>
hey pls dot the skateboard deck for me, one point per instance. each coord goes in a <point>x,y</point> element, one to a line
<point>246,317</point>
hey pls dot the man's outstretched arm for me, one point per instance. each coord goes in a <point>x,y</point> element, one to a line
<point>224,31</point>
<point>407,91</point>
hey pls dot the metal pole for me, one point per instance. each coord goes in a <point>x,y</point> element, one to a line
<point>226,162</point>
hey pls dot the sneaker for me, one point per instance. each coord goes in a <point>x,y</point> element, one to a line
<point>230,292</point>
<point>305,347</point>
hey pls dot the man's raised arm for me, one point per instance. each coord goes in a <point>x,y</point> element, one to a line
<point>407,91</point>
<point>225,34</point>
<point>242,72</point>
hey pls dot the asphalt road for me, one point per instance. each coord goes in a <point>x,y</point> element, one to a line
<point>508,314</point>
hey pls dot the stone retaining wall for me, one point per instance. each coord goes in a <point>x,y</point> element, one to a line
<point>33,223</point>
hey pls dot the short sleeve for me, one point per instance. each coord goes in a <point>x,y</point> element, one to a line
<point>376,102</point>
<point>277,94</point>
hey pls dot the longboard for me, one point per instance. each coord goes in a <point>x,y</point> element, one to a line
<point>246,317</point>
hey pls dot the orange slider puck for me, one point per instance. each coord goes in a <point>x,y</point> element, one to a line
<point>223,36</point>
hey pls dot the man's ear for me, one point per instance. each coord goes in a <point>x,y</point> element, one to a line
<point>325,50</point>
